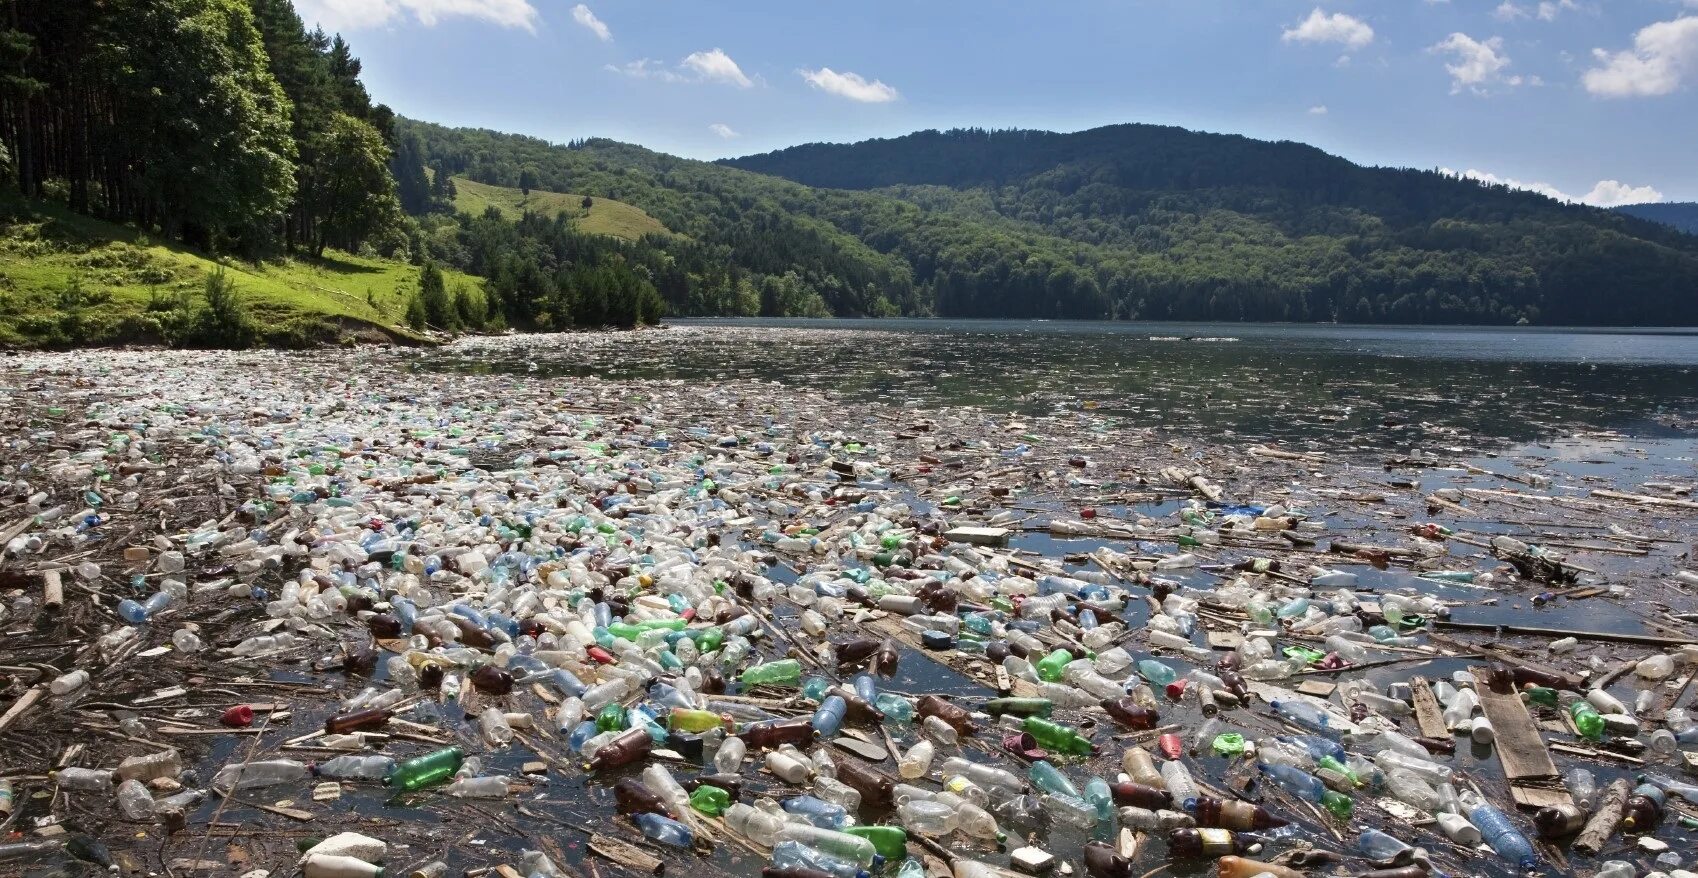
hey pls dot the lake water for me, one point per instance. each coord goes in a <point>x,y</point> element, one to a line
<point>1323,386</point>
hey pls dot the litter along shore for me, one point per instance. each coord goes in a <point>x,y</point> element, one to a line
<point>224,572</point>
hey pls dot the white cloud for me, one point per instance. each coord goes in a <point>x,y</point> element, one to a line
<point>1478,65</point>
<point>1509,10</point>
<point>647,68</point>
<point>351,15</point>
<point>723,130</point>
<point>1661,57</point>
<point>582,15</point>
<point>1318,110</point>
<point>1545,10</point>
<point>716,66</point>
<point>849,85</point>
<point>1320,27</point>
<point>710,66</point>
<point>1606,193</point>
<point>1610,193</point>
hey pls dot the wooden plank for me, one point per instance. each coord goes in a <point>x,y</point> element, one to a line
<point>1428,715</point>
<point>1521,750</point>
<point>1539,797</point>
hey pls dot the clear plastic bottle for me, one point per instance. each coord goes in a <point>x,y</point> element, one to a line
<point>354,766</point>
<point>917,762</point>
<point>491,787</point>
<point>1177,780</point>
<point>260,774</point>
<point>728,759</point>
<point>134,801</point>
<point>150,766</point>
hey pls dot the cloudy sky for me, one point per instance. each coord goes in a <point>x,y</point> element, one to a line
<point>1590,100</point>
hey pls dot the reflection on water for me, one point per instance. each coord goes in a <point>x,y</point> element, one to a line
<point>1330,385</point>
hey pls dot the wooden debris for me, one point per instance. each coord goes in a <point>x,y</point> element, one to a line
<point>1428,715</point>
<point>1605,819</point>
<point>1521,750</point>
<point>627,855</point>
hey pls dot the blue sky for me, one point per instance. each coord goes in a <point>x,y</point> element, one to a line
<point>1593,100</point>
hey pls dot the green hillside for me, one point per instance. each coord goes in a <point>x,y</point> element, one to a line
<point>68,278</point>
<point>1170,223</point>
<point>604,216</point>
<point>1127,222</point>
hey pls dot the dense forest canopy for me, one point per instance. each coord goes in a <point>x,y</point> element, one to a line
<point>228,126</point>
<point>1174,223</point>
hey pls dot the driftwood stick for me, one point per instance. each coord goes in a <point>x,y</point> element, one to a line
<point>52,590</point>
<point>1604,820</point>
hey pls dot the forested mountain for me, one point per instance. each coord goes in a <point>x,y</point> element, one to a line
<point>1172,223</point>
<point>1682,215</point>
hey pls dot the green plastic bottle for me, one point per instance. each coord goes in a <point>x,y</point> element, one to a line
<point>1051,666</point>
<point>710,800</point>
<point>783,672</point>
<point>1541,695</point>
<point>426,770</point>
<point>684,719</point>
<point>611,718</point>
<point>1020,706</point>
<point>1338,804</point>
<point>1587,720</point>
<point>711,639</point>
<point>891,842</point>
<point>1057,737</point>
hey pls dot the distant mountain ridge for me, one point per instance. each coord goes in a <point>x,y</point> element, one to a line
<point>1128,221</point>
<point>1682,215</point>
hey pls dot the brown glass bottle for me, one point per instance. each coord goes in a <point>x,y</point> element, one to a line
<point>384,625</point>
<point>1140,796</point>
<point>491,680</point>
<point>773,734</point>
<point>954,714</point>
<point>732,784</point>
<point>884,661</point>
<point>1127,712</point>
<point>630,796</point>
<point>356,721</point>
<point>875,787</point>
<point>1642,814</point>
<point>1102,862</point>
<point>1240,816</point>
<point>1235,684</point>
<point>470,634</point>
<point>1205,843</point>
<point>628,747</point>
<point>860,709</point>
<point>1559,821</point>
<point>853,652</point>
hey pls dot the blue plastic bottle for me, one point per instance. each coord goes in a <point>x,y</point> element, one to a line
<point>817,811</point>
<point>828,719</point>
<point>1501,834</point>
<point>665,830</point>
<point>132,612</point>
